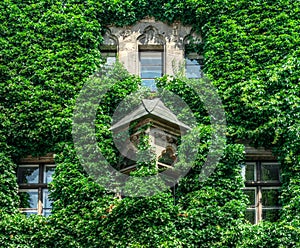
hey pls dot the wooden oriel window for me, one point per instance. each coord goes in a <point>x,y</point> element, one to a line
<point>262,185</point>
<point>33,180</point>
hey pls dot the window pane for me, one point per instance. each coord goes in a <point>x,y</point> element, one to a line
<point>29,212</point>
<point>28,174</point>
<point>193,68</point>
<point>151,66</point>
<point>109,58</point>
<point>151,58</point>
<point>248,172</point>
<point>110,61</point>
<point>150,72</point>
<point>270,197</point>
<point>251,196</point>
<point>150,83</point>
<point>270,214</point>
<point>47,212</point>
<point>29,198</point>
<point>270,172</point>
<point>250,215</point>
<point>48,173</point>
<point>47,203</point>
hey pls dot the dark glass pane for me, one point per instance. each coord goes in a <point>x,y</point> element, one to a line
<point>250,172</point>
<point>28,199</point>
<point>251,196</point>
<point>167,157</point>
<point>49,171</point>
<point>270,214</point>
<point>270,172</point>
<point>250,215</point>
<point>28,174</point>
<point>270,197</point>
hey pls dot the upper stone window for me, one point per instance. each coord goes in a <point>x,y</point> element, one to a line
<point>152,48</point>
<point>109,48</point>
<point>193,61</point>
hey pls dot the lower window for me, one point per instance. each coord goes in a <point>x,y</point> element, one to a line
<point>33,188</point>
<point>262,185</point>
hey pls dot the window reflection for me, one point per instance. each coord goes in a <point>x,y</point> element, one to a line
<point>28,198</point>
<point>270,172</point>
<point>48,173</point>
<point>109,57</point>
<point>270,197</point>
<point>47,203</point>
<point>249,172</point>
<point>193,68</point>
<point>33,182</point>
<point>271,215</point>
<point>251,194</point>
<point>28,174</point>
<point>193,65</point>
<point>151,67</point>
<point>250,215</point>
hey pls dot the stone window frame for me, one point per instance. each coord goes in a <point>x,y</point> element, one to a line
<point>109,45</point>
<point>147,34</point>
<point>191,40</point>
<point>154,49</point>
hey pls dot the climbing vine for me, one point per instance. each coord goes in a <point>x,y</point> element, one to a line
<point>50,49</point>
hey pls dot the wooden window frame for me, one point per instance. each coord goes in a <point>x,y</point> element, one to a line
<point>260,185</point>
<point>40,186</point>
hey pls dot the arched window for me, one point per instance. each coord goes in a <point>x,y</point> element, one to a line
<point>193,61</point>
<point>109,48</point>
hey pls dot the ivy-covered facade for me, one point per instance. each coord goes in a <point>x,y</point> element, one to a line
<point>50,49</point>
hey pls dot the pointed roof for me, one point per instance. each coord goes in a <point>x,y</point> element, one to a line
<point>150,108</point>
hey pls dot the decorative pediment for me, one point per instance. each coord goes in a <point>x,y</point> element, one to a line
<point>109,39</point>
<point>151,36</point>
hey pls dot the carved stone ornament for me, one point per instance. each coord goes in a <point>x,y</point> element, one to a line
<point>109,39</point>
<point>151,36</point>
